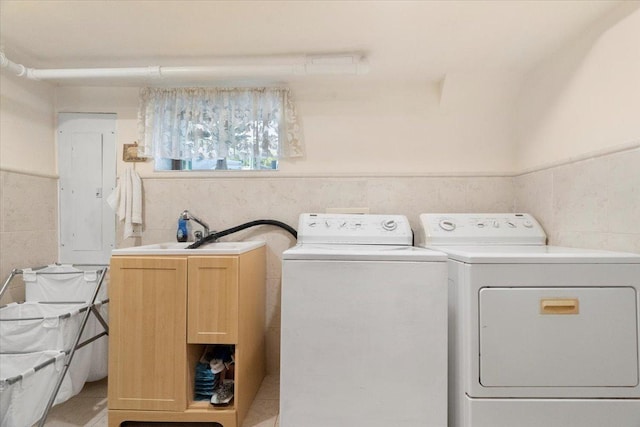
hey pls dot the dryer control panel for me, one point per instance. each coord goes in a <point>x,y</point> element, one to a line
<point>481,229</point>
<point>354,229</point>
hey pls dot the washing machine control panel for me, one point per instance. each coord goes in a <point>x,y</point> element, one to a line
<point>480,229</point>
<point>354,229</point>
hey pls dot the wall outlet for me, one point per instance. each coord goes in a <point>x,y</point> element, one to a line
<point>347,210</point>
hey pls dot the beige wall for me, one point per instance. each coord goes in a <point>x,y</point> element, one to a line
<point>27,125</point>
<point>461,126</point>
<point>28,182</point>
<point>584,99</point>
<point>578,136</point>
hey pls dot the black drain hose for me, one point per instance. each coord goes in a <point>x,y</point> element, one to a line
<point>215,236</point>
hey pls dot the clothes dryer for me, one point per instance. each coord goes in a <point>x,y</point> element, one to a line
<point>364,326</point>
<point>539,336</point>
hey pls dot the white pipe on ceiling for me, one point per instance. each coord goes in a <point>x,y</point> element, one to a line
<point>246,67</point>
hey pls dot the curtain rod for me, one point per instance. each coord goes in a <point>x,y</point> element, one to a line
<point>298,65</point>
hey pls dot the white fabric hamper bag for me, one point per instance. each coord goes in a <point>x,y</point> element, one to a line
<point>30,327</point>
<point>24,399</point>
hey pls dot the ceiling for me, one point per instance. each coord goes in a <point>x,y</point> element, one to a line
<point>411,40</point>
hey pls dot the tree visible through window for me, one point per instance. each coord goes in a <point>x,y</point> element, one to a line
<point>218,129</point>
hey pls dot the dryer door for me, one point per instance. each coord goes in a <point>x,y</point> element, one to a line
<point>558,337</point>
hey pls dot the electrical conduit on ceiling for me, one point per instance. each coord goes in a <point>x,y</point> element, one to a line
<point>298,65</point>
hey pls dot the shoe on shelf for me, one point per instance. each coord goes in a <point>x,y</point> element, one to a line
<point>223,394</point>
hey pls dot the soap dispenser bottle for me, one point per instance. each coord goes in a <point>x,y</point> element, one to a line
<point>182,234</point>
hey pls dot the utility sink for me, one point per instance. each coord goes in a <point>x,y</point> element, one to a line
<point>174,248</point>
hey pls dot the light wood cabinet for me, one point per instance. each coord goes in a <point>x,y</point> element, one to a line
<point>164,310</point>
<point>213,300</point>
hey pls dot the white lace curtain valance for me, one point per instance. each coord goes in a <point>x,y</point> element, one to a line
<point>215,123</point>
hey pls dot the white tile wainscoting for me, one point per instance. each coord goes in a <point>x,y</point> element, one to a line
<point>592,203</point>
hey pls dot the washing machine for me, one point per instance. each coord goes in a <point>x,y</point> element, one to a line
<point>540,336</point>
<point>364,325</point>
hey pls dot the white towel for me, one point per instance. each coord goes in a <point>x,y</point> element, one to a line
<point>136,196</point>
<point>126,200</point>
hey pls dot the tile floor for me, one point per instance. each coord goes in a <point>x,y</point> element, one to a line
<point>89,408</point>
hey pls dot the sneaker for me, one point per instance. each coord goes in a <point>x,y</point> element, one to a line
<point>223,394</point>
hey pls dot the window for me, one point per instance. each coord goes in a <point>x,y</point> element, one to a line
<point>218,129</point>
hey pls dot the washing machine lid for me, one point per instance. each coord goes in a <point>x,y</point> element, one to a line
<point>363,253</point>
<point>528,254</point>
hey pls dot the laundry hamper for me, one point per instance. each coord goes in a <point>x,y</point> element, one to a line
<point>64,283</point>
<point>26,382</point>
<point>32,327</point>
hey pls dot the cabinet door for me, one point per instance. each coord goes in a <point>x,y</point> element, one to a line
<point>213,300</point>
<point>147,345</point>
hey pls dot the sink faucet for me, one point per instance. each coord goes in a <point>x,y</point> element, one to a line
<point>186,215</point>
